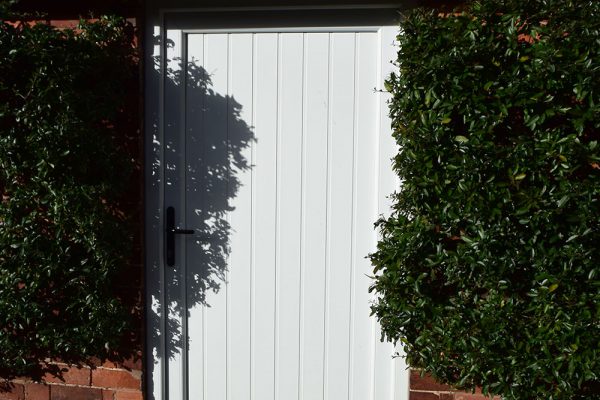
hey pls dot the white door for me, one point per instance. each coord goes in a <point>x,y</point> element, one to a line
<point>274,148</point>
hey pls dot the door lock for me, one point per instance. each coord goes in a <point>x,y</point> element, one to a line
<point>171,231</point>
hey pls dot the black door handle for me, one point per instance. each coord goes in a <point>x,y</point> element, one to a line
<point>183,231</point>
<point>171,231</point>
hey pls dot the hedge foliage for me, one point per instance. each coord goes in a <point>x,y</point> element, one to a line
<point>488,270</point>
<point>63,169</point>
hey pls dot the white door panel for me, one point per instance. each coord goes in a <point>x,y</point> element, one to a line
<point>275,150</point>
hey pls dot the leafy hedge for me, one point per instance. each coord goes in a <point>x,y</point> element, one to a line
<point>63,169</point>
<point>489,268</point>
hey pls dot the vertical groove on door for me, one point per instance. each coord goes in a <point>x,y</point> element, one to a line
<point>327,219</point>
<point>230,200</point>
<point>277,226</point>
<point>228,212</point>
<point>252,215</point>
<point>352,299</point>
<point>253,230</point>
<point>302,228</point>
<point>205,316</point>
<point>203,326</point>
<point>302,211</point>
<point>184,211</point>
<point>202,306</point>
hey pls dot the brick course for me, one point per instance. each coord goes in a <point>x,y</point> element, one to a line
<point>120,395</point>
<point>426,388</point>
<point>424,396</point>
<point>116,379</point>
<point>79,383</point>
<point>74,376</point>
<point>59,392</point>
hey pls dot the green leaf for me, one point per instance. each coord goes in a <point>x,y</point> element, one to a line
<point>563,200</point>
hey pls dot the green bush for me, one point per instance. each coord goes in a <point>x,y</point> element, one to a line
<point>63,170</point>
<point>488,269</point>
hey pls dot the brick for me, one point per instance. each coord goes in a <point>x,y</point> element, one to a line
<point>121,395</point>
<point>423,396</point>
<point>12,391</point>
<point>74,393</point>
<point>108,395</point>
<point>71,375</point>
<point>116,379</point>
<point>427,383</point>
<point>37,391</point>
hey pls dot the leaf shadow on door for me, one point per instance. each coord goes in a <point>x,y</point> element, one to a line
<point>213,144</point>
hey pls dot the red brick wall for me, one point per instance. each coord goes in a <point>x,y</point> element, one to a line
<point>107,381</point>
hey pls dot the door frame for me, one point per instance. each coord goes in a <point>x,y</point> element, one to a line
<point>157,22</point>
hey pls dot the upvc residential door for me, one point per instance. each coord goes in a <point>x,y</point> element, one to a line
<point>272,152</point>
